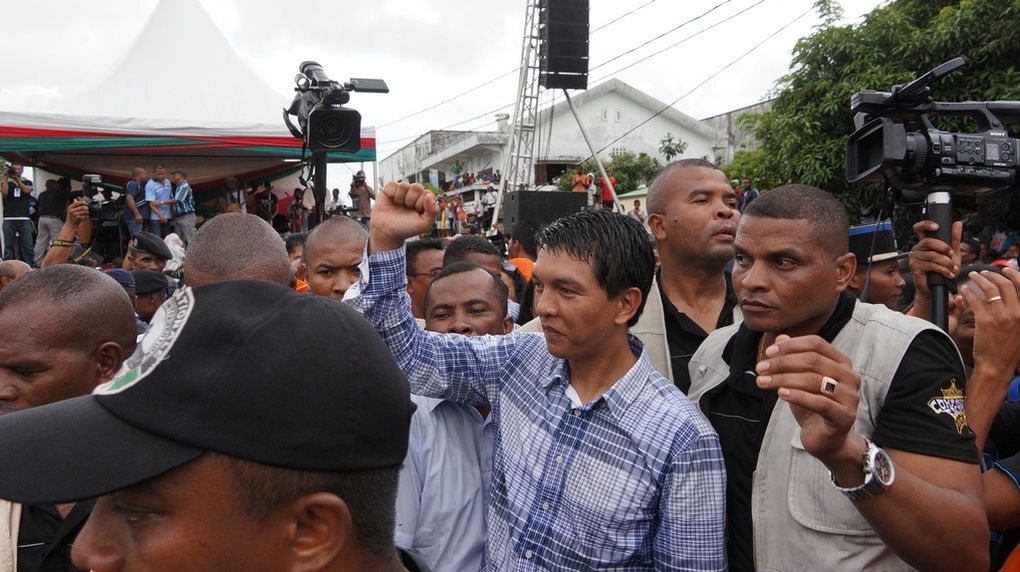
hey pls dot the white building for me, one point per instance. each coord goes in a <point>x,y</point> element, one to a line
<point>608,111</point>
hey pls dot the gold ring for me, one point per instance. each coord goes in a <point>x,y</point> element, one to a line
<point>994,299</point>
<point>829,386</point>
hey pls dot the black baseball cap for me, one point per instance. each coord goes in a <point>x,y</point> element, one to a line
<point>149,242</point>
<point>180,170</point>
<point>248,369</point>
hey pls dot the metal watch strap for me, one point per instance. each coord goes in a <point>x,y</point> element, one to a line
<point>871,487</point>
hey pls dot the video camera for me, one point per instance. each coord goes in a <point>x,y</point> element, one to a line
<point>927,162</point>
<point>324,124</point>
<point>926,158</point>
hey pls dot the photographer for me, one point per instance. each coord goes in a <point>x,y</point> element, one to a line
<point>362,195</point>
<point>17,193</point>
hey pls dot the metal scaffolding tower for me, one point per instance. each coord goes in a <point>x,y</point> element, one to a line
<point>519,157</point>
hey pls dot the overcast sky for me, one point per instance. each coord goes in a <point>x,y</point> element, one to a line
<point>426,50</point>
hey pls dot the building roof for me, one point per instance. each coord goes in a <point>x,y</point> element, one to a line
<point>641,98</point>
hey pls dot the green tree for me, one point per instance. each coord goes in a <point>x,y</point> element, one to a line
<point>630,170</point>
<point>671,148</point>
<point>803,138</point>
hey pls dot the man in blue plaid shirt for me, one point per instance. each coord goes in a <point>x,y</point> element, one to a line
<point>599,462</point>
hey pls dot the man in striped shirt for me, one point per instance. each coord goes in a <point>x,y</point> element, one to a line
<point>184,206</point>
<point>599,461</point>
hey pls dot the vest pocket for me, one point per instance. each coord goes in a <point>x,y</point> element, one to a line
<point>815,503</point>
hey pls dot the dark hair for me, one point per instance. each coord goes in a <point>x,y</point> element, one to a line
<point>963,276</point>
<point>655,190</point>
<point>461,267</point>
<point>526,300</point>
<point>515,277</point>
<point>235,246</point>
<point>416,247</point>
<point>804,202</point>
<point>92,304</point>
<point>524,232</point>
<point>616,246</point>
<point>464,245</point>
<point>64,183</point>
<point>295,240</point>
<point>370,495</point>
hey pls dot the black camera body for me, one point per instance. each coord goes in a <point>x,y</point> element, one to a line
<point>325,124</point>
<point>896,142</point>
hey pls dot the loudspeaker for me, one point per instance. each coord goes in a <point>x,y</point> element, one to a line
<point>563,46</point>
<point>540,207</point>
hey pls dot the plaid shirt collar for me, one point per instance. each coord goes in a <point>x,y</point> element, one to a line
<point>618,398</point>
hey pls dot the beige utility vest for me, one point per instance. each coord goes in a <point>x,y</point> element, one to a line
<point>801,522</point>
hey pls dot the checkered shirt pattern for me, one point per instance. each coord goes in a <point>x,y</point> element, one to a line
<point>631,481</point>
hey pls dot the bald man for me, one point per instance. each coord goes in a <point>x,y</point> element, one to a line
<point>64,329</point>
<point>333,252</point>
<point>237,246</point>
<point>11,270</point>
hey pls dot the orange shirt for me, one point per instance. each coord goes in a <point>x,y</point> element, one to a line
<point>524,266</point>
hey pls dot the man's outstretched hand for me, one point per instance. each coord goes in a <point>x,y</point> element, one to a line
<point>401,211</point>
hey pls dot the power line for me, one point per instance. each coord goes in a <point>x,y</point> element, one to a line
<point>621,17</point>
<point>675,44</point>
<point>448,100</point>
<point>694,19</point>
<point>666,33</point>
<point>495,79</point>
<point>706,80</point>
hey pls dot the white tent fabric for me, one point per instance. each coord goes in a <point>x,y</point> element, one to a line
<point>181,68</point>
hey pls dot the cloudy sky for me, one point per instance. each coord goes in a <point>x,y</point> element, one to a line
<point>426,50</point>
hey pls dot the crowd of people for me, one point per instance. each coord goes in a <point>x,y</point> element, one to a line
<point>703,383</point>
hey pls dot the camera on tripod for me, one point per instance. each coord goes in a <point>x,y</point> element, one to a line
<point>324,124</point>
<point>896,143</point>
<point>924,158</point>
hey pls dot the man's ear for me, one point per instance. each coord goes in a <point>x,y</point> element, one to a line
<point>846,268</point>
<point>318,529</point>
<point>626,305</point>
<point>508,325</point>
<point>108,358</point>
<point>657,222</point>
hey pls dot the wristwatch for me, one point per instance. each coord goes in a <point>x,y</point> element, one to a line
<point>879,474</point>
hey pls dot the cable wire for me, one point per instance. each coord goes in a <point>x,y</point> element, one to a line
<point>706,80</point>
<point>666,33</point>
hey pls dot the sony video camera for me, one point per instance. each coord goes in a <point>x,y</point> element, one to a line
<point>896,142</point>
<point>324,124</point>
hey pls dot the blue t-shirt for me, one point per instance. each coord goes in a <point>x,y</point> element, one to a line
<point>156,191</point>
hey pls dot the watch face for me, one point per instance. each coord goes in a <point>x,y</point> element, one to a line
<point>882,466</point>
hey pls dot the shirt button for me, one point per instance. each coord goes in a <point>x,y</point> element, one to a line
<point>577,413</point>
<point>559,459</point>
<point>545,505</point>
<point>528,554</point>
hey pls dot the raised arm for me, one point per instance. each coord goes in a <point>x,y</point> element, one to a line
<point>446,366</point>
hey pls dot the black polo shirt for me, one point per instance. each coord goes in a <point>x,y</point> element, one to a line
<point>53,203</point>
<point>45,539</point>
<point>740,412</point>
<point>684,335</point>
<point>16,203</point>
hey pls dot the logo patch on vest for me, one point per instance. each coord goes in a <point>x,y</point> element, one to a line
<point>950,403</point>
<point>155,344</point>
